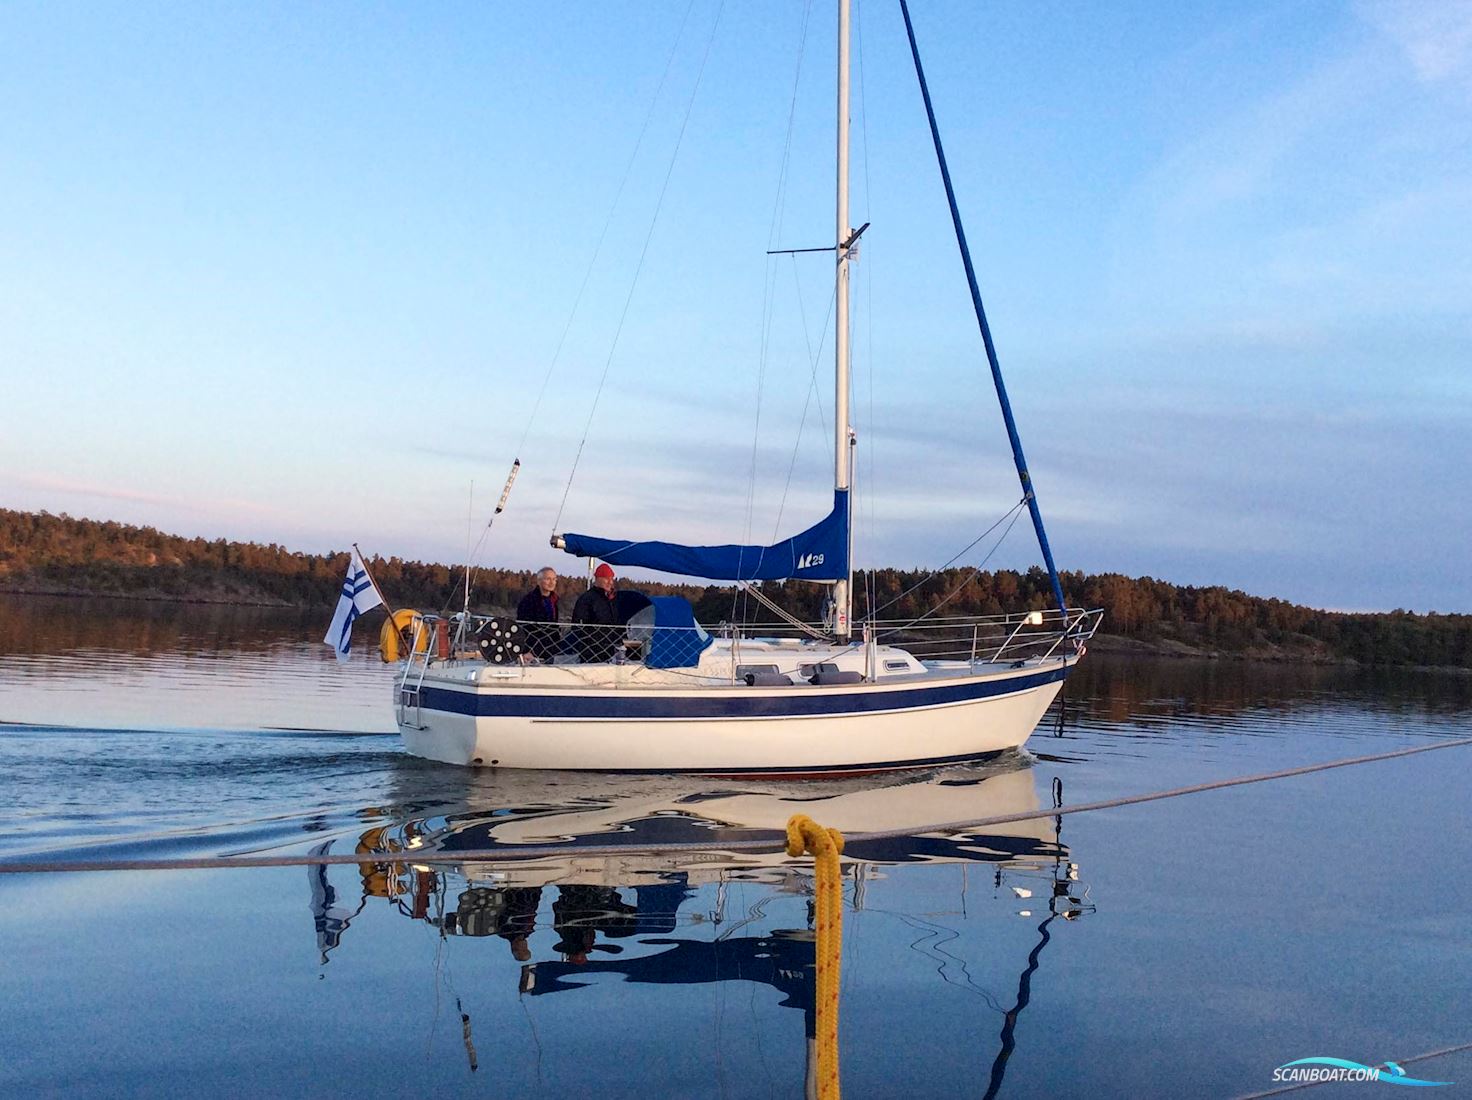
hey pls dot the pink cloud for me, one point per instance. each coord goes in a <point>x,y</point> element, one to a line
<point>51,484</point>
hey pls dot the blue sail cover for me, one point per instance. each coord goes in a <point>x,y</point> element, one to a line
<point>818,554</point>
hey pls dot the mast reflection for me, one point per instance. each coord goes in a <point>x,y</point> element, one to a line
<point>624,914</point>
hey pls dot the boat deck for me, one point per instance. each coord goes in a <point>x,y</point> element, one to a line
<point>766,663</point>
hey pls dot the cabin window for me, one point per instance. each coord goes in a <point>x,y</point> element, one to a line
<point>896,666</point>
<point>743,670</point>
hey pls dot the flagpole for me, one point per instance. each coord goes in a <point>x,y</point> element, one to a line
<point>469,549</point>
<point>387,607</point>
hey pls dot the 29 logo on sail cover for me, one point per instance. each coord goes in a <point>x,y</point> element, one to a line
<point>1307,1071</point>
<point>807,561</point>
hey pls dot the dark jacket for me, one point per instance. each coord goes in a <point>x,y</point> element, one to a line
<point>546,641</point>
<point>533,608</point>
<point>598,632</point>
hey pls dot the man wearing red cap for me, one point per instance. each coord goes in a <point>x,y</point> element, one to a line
<point>599,632</point>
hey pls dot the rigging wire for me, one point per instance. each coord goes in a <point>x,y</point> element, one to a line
<point>964,581</point>
<point>607,222</point>
<point>870,485</point>
<point>776,609</point>
<point>930,945</point>
<point>470,570</point>
<point>812,394</point>
<point>815,356</point>
<point>474,552</point>
<point>1010,513</point>
<point>774,230</point>
<point>639,266</point>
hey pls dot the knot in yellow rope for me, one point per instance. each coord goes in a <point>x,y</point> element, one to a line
<point>806,835</point>
<point>826,845</point>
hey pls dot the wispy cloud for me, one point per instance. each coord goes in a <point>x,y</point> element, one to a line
<point>1236,158</point>
<point>71,487</point>
<point>1332,189</point>
<point>1435,35</point>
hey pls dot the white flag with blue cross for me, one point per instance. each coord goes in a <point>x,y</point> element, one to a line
<point>359,594</point>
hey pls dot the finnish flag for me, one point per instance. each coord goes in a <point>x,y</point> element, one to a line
<point>358,595</point>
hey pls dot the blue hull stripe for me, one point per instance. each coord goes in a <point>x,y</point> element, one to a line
<point>731,703</point>
<point>785,771</point>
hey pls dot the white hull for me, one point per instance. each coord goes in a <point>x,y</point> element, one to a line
<point>467,717</point>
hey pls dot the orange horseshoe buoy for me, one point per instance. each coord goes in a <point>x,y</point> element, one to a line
<point>399,631</point>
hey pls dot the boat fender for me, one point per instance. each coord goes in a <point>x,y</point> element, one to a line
<point>828,679</point>
<point>767,679</point>
<point>398,633</point>
<point>502,641</point>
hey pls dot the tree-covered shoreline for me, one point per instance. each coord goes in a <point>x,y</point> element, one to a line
<point>41,553</point>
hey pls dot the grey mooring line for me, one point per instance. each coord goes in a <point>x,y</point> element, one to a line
<point>513,855</point>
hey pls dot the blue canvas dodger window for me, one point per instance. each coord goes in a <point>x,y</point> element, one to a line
<point>818,554</point>
<point>669,632</point>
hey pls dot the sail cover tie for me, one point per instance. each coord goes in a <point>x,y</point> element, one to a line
<point>818,554</point>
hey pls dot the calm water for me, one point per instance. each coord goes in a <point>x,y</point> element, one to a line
<point>1180,948</point>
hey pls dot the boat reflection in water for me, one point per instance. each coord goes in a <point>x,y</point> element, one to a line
<point>593,900</point>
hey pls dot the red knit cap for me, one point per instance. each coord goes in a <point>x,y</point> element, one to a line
<point>604,570</point>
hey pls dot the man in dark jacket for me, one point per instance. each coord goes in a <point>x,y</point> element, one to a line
<point>540,606</point>
<point>599,634</point>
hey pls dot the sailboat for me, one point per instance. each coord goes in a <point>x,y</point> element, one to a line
<point>835,698</point>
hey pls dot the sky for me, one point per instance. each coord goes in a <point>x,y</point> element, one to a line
<point>298,274</point>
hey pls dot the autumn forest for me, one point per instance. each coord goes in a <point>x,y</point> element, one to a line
<point>45,553</point>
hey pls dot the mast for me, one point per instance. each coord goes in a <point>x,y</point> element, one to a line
<point>842,461</point>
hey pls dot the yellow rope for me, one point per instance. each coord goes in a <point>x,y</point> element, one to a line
<point>825,845</point>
